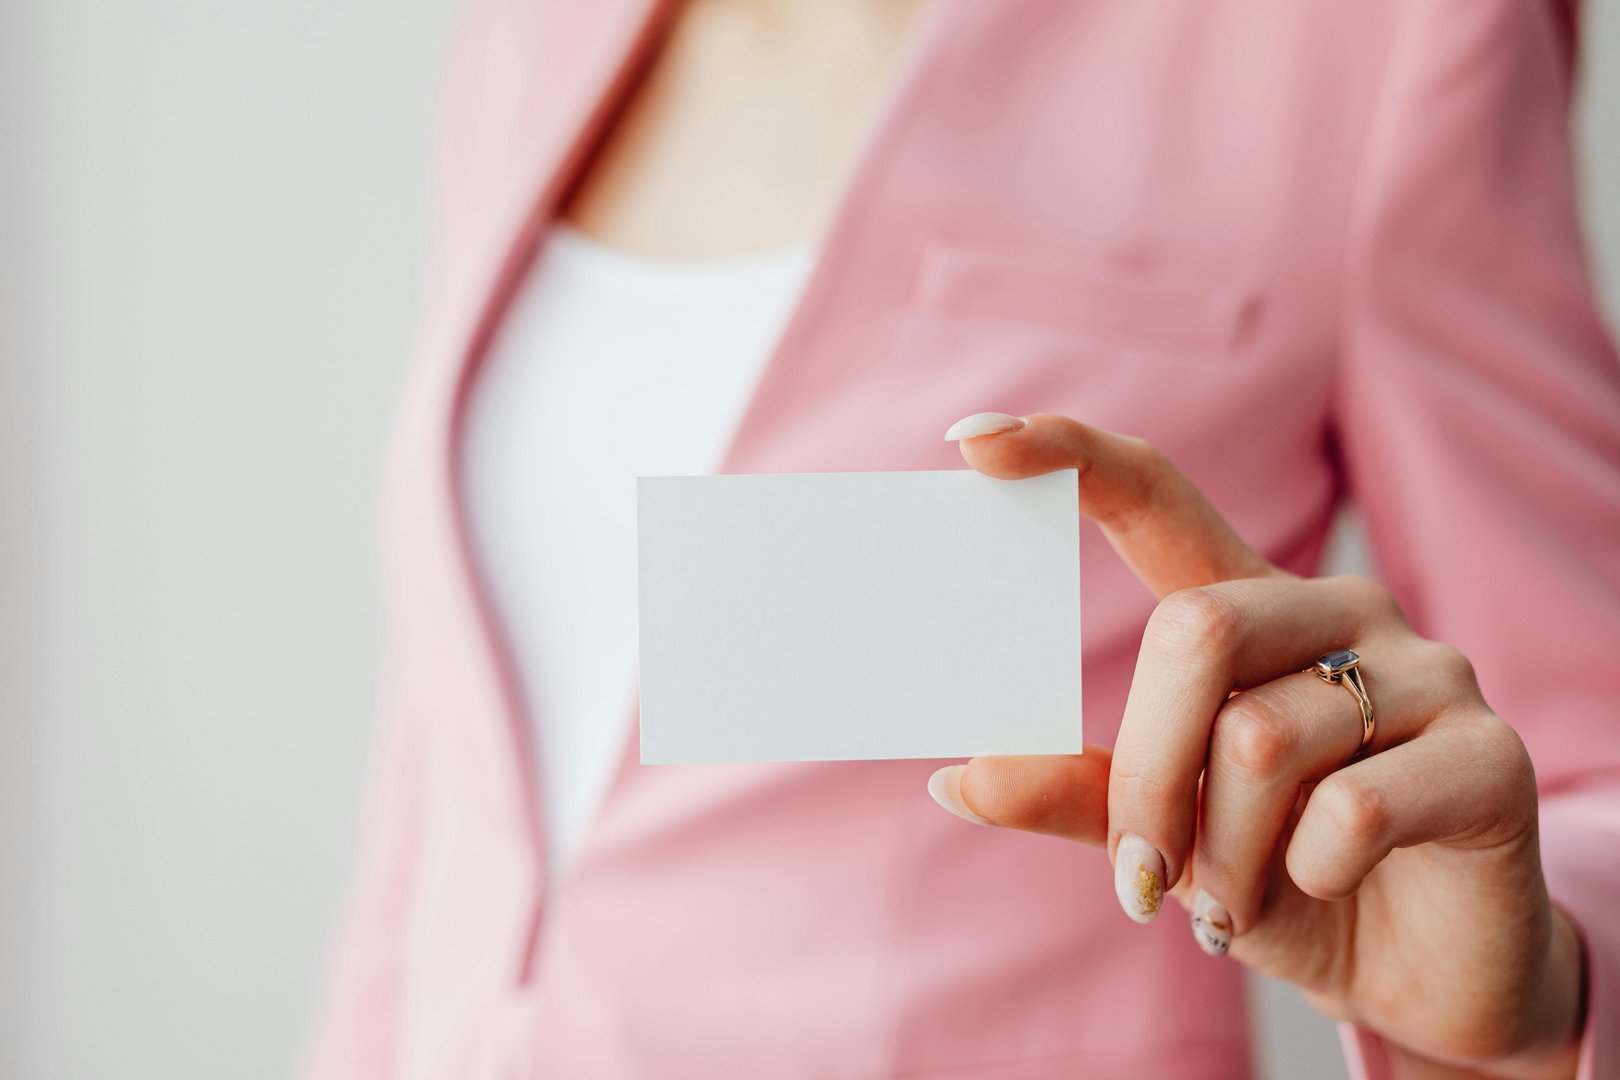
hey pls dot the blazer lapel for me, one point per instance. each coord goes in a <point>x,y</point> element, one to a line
<point>531,85</point>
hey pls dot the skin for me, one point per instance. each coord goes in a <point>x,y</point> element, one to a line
<point>1402,891</point>
<point>742,130</point>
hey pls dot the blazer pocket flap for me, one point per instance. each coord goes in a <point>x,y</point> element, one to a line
<point>1097,300</point>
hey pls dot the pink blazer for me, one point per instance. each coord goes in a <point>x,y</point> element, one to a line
<point>1317,251</point>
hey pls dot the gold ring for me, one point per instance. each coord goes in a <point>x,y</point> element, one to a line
<point>1343,666</point>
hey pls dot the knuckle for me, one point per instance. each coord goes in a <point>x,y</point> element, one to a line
<point>1152,468</point>
<point>1137,787</point>
<point>1257,734</point>
<point>1198,622</point>
<point>1508,759</point>
<point>1139,796</point>
<point>1360,814</point>
<point>1450,664</point>
<point>1376,603</point>
<point>1146,454</point>
<point>1500,781</point>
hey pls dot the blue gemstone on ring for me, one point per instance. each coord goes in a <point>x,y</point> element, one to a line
<point>1338,661</point>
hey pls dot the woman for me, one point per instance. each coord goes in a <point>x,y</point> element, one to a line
<point>1308,251</point>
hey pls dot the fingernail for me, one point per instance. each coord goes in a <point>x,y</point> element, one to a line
<point>946,788</point>
<point>982,423</point>
<point>1138,877</point>
<point>1211,924</point>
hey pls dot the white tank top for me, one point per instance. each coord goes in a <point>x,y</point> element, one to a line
<point>608,366</point>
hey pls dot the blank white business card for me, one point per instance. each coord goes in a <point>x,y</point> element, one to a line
<point>842,616</point>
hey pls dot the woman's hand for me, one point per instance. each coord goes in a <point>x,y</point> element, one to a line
<point>1400,889</point>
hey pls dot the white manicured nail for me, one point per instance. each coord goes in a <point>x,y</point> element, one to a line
<point>1211,924</point>
<point>1138,877</point>
<point>946,788</point>
<point>982,423</point>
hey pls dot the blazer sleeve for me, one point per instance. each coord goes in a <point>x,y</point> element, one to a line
<point>1478,419</point>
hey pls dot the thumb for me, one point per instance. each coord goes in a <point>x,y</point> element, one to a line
<point>1062,795</point>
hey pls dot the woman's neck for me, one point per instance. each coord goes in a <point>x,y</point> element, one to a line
<point>740,134</point>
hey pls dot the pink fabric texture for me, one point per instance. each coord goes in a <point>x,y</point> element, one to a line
<point>1314,251</point>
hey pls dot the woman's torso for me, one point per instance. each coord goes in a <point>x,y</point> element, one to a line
<point>1108,210</point>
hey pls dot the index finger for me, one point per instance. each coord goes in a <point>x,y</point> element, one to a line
<point>1159,522</point>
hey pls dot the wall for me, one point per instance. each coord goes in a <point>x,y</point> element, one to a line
<point>210,252</point>
<point>212,257</point>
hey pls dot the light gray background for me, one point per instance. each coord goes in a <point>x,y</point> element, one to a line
<point>210,256</point>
